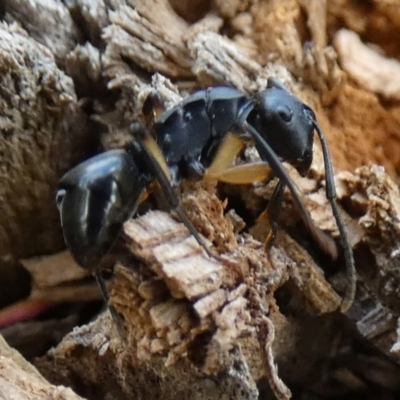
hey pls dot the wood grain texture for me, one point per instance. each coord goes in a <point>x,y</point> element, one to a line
<point>192,326</point>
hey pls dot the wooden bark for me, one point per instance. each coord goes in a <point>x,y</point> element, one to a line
<point>20,380</point>
<point>248,324</point>
<point>39,110</point>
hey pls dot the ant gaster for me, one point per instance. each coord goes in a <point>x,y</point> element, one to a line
<point>97,196</point>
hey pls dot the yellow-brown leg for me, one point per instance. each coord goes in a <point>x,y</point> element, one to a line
<point>153,107</point>
<point>272,213</point>
<point>222,169</point>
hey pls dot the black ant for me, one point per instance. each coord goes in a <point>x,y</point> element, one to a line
<point>97,196</point>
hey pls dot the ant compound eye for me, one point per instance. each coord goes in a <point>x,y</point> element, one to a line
<point>309,113</point>
<point>60,197</point>
<point>285,113</point>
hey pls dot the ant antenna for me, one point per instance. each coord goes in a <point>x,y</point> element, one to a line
<point>331,196</point>
<point>319,236</point>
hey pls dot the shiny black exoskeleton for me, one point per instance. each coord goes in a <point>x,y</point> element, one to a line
<point>97,196</point>
<point>190,132</point>
<point>281,126</point>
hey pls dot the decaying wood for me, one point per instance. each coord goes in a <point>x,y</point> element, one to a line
<point>248,324</point>
<point>191,310</point>
<point>370,69</point>
<point>183,309</point>
<point>177,304</point>
<point>55,278</point>
<point>48,22</point>
<point>38,111</point>
<point>20,380</point>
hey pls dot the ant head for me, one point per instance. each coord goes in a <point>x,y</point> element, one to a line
<point>285,123</point>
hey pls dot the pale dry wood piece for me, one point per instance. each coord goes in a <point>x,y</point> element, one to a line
<point>275,32</point>
<point>217,59</point>
<point>162,324</point>
<point>210,23</point>
<point>199,204</point>
<point>320,64</point>
<point>167,90</point>
<point>366,19</point>
<point>316,21</point>
<point>308,281</point>
<point>152,41</point>
<point>20,380</point>
<point>48,22</point>
<point>371,70</point>
<point>101,345</point>
<point>56,278</point>
<point>53,270</point>
<point>83,64</point>
<point>167,248</point>
<point>377,198</point>
<point>91,17</point>
<point>210,303</point>
<point>227,311</point>
<point>278,30</point>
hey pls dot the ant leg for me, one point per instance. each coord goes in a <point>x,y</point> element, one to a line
<point>156,164</point>
<point>351,275</point>
<point>221,168</point>
<point>104,292</point>
<point>272,212</point>
<point>321,238</point>
<point>225,155</point>
<point>153,107</point>
<point>242,174</point>
<point>324,241</point>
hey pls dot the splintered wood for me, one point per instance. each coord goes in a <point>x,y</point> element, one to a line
<point>20,380</point>
<point>177,302</point>
<point>192,306</point>
<point>185,313</point>
<point>179,260</point>
<point>193,326</point>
